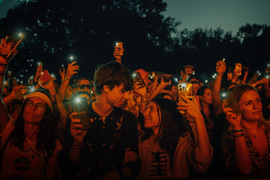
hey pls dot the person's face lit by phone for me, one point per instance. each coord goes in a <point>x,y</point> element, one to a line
<point>83,85</point>
<point>207,97</point>
<point>148,84</point>
<point>174,92</point>
<point>34,110</point>
<point>69,92</point>
<point>195,86</point>
<point>251,106</point>
<point>117,96</point>
<point>152,116</point>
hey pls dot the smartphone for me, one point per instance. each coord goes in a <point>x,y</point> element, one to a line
<point>45,76</point>
<point>185,89</point>
<point>80,105</point>
<point>230,101</point>
<point>27,90</point>
<point>40,65</point>
<point>138,80</point>
<point>152,76</point>
<point>238,66</point>
<point>14,40</point>
<point>120,46</point>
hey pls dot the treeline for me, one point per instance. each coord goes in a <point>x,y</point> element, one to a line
<point>54,30</point>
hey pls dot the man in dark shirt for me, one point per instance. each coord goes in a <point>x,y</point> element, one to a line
<point>109,148</point>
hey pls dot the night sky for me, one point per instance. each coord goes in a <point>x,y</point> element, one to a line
<point>227,14</point>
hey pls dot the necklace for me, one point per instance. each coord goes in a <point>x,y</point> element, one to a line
<point>101,115</point>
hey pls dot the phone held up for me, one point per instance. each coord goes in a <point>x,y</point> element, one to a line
<point>45,76</point>
<point>120,46</point>
<point>229,101</point>
<point>186,90</point>
<point>14,41</point>
<point>80,105</point>
<point>238,67</point>
<point>138,80</point>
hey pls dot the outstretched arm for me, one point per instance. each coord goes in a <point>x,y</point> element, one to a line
<point>5,49</point>
<point>220,69</point>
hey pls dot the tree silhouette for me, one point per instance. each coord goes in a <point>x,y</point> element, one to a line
<point>89,29</point>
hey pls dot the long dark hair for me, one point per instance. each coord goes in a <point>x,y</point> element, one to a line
<point>46,140</point>
<point>171,125</point>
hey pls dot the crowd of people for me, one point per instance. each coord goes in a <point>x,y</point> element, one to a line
<point>133,125</point>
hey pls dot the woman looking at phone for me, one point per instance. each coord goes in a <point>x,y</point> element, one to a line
<point>29,145</point>
<point>247,142</point>
<point>168,150</point>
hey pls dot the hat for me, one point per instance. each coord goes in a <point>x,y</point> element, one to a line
<point>143,73</point>
<point>42,94</point>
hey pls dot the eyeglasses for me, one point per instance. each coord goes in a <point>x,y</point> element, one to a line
<point>83,86</point>
<point>38,106</point>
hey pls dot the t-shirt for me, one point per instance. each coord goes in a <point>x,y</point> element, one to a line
<point>28,163</point>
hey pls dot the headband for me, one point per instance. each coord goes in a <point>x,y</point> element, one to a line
<point>42,96</point>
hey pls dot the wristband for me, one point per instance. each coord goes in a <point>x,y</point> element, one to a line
<point>236,131</point>
<point>242,134</point>
<point>65,78</point>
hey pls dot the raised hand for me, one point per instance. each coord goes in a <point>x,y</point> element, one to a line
<point>38,72</point>
<point>190,108</point>
<point>62,72</point>
<point>17,92</point>
<point>189,69</point>
<point>233,118</point>
<point>72,69</point>
<point>220,67</point>
<point>130,156</point>
<point>6,50</point>
<point>117,54</point>
<point>50,85</point>
<point>76,129</point>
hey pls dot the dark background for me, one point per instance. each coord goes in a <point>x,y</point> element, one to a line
<point>88,30</point>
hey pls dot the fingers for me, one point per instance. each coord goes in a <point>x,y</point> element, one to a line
<point>130,156</point>
<point>184,98</point>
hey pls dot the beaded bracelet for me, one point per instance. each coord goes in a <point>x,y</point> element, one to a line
<point>236,131</point>
<point>65,78</point>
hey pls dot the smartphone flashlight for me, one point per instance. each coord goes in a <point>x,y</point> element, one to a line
<point>71,58</point>
<point>20,34</point>
<point>77,100</point>
<point>223,95</point>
